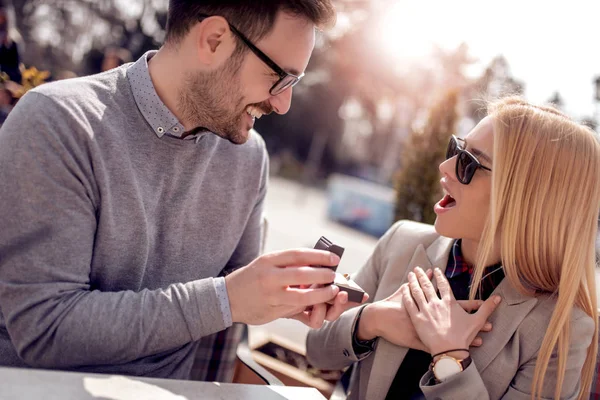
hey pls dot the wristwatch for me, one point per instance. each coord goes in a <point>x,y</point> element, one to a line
<point>447,366</point>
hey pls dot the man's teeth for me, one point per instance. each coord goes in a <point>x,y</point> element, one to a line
<point>254,112</point>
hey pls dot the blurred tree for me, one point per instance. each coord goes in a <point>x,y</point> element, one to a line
<point>496,81</point>
<point>590,122</point>
<point>417,184</point>
<point>556,100</point>
<point>60,33</point>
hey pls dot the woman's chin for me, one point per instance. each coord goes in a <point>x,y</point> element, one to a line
<point>444,228</point>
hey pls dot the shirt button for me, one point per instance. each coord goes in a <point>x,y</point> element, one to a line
<point>176,129</point>
<point>346,354</point>
<point>160,129</point>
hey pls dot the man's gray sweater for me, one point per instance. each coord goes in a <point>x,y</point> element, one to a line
<point>110,236</point>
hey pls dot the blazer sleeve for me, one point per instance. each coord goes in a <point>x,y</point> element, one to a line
<point>331,346</point>
<point>468,384</point>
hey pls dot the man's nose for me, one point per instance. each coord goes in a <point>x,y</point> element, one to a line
<point>282,102</point>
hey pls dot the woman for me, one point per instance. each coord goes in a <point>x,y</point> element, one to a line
<point>521,201</point>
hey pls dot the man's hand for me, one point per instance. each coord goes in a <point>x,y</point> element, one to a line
<point>330,311</point>
<point>279,284</point>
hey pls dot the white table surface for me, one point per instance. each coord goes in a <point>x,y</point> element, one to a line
<point>31,384</point>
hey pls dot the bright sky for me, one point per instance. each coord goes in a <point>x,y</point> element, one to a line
<point>551,46</point>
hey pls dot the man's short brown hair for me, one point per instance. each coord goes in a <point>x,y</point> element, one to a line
<point>254,18</point>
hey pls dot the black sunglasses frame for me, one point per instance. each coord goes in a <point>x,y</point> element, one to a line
<point>454,149</point>
<point>286,80</point>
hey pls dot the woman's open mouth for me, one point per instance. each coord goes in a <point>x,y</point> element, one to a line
<point>445,204</point>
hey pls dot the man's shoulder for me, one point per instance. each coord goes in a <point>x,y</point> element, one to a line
<point>254,149</point>
<point>83,90</point>
<point>64,106</point>
<point>257,144</point>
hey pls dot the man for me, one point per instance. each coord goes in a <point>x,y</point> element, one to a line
<point>126,194</point>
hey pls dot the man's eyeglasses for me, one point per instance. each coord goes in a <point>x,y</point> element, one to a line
<point>466,163</point>
<point>286,80</point>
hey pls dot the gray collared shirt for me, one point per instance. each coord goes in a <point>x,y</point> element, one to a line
<point>164,122</point>
<point>156,113</point>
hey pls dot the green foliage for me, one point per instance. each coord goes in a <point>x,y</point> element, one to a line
<point>417,184</point>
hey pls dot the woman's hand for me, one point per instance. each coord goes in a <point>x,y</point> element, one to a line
<point>389,319</point>
<point>441,323</point>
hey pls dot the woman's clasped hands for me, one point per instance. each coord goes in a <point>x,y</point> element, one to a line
<point>415,316</point>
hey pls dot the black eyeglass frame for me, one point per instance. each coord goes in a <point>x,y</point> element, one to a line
<point>460,152</point>
<point>286,80</point>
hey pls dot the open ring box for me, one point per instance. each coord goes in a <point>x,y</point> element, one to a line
<point>343,282</point>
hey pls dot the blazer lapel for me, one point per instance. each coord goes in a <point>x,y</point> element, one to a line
<point>439,251</point>
<point>505,320</point>
<point>388,356</point>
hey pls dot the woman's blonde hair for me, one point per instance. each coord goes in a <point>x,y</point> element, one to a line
<point>544,213</point>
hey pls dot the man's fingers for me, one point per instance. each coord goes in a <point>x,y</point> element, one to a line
<point>308,297</point>
<point>340,305</point>
<point>477,342</point>
<point>303,317</point>
<point>317,315</point>
<point>300,257</point>
<point>334,311</point>
<point>303,276</point>
<point>487,308</point>
<point>470,305</point>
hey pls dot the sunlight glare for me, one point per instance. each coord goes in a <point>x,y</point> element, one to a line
<point>404,34</point>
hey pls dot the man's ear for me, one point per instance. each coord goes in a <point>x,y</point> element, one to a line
<point>214,40</point>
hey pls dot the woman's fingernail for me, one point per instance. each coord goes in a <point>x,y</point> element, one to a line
<point>488,326</point>
<point>497,299</point>
<point>334,258</point>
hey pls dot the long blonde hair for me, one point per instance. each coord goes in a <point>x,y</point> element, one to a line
<point>544,213</point>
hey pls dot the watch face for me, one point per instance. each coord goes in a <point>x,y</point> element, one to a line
<point>445,367</point>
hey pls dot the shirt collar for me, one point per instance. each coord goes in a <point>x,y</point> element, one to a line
<point>155,112</point>
<point>459,266</point>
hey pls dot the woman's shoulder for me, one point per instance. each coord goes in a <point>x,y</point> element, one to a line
<point>402,240</point>
<point>582,325</point>
<point>407,230</point>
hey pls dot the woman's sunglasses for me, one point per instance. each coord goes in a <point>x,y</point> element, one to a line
<point>466,163</point>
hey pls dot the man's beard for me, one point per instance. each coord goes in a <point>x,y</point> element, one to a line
<point>213,101</point>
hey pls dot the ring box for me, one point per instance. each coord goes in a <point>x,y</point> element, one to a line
<point>325,244</point>
<point>355,292</point>
<point>343,282</point>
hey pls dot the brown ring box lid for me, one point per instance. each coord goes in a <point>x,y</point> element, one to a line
<point>355,293</point>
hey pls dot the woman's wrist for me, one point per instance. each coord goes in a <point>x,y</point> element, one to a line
<point>447,347</point>
<point>367,325</point>
<point>459,355</point>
